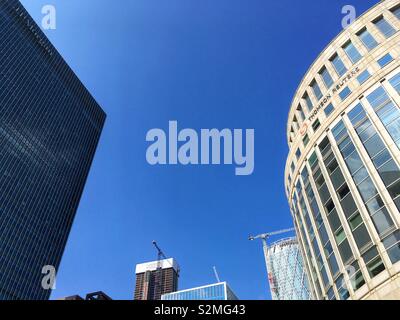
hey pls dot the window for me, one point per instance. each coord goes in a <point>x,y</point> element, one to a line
<point>338,65</point>
<point>386,59</point>
<point>356,221</point>
<point>341,287</point>
<point>396,12</point>
<point>340,236</point>
<point>367,39</point>
<point>313,160</point>
<point>344,93</point>
<point>364,76</point>
<point>308,101</point>
<point>329,206</point>
<point>352,52</point>
<point>395,82</point>
<point>301,113</point>
<point>392,245</point>
<point>374,262</point>
<point>306,140</point>
<point>316,90</point>
<point>326,77</point>
<point>334,220</point>
<point>343,192</point>
<point>329,109</point>
<point>298,154</point>
<point>385,27</point>
<point>361,236</point>
<point>316,125</point>
<point>292,167</point>
<point>348,205</point>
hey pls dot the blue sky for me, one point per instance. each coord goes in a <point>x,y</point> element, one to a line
<point>207,64</point>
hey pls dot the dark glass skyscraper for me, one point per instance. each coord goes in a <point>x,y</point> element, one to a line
<point>49,129</point>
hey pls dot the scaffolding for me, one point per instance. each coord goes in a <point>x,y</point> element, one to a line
<point>286,274</point>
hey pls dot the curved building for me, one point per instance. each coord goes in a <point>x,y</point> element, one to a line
<point>343,170</point>
<point>287,279</point>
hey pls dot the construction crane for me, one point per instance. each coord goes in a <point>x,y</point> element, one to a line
<point>216,274</point>
<point>264,237</point>
<point>158,281</point>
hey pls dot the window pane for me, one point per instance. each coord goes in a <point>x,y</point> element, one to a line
<point>392,245</point>
<point>396,12</point>
<point>395,82</point>
<point>348,205</point>
<point>308,102</point>
<point>382,221</point>
<point>334,220</point>
<point>394,190</point>
<point>329,109</point>
<point>354,162</point>
<point>345,93</point>
<point>374,145</point>
<point>375,267</point>
<point>352,52</point>
<point>384,27</point>
<point>389,172</point>
<point>386,59</point>
<point>316,90</point>
<point>339,65</point>
<point>340,236</point>
<point>368,40</point>
<point>361,236</point>
<point>375,204</point>
<point>306,140</point>
<point>345,251</point>
<point>326,77</point>
<point>364,76</point>
<point>367,189</point>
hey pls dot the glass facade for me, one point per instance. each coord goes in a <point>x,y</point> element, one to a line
<point>49,129</point>
<point>217,292</point>
<point>287,278</point>
<point>344,194</point>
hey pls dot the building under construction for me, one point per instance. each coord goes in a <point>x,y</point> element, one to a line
<point>286,275</point>
<point>156,278</point>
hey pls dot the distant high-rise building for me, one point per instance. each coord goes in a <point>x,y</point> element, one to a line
<point>152,282</point>
<point>49,129</point>
<point>217,291</point>
<point>286,275</point>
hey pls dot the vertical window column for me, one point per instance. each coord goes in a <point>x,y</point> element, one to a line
<point>375,206</point>
<point>343,215</point>
<point>320,225</point>
<point>311,258</point>
<point>314,239</point>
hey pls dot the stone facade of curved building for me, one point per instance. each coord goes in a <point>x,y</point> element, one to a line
<point>343,170</point>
